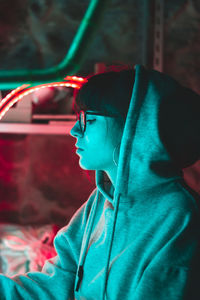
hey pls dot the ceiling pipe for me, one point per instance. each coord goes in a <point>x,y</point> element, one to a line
<point>70,64</point>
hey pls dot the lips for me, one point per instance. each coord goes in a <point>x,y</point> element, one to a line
<point>78,147</point>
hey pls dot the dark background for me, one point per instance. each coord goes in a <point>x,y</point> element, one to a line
<point>40,178</point>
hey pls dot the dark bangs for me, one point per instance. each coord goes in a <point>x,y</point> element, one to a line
<point>108,92</point>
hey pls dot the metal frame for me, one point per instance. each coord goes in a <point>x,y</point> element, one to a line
<point>53,127</point>
<point>158,35</point>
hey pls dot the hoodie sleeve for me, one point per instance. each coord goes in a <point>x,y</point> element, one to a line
<point>168,282</point>
<point>57,278</point>
<point>174,272</point>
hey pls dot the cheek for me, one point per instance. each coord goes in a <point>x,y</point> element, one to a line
<point>101,140</point>
<point>98,149</point>
<point>95,140</point>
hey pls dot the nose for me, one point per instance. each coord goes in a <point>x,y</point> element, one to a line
<point>75,131</point>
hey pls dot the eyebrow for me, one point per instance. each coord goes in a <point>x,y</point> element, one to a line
<point>93,113</point>
<point>100,114</point>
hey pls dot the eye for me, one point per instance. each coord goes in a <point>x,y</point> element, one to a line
<point>90,121</point>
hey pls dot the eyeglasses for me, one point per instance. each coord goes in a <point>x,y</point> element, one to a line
<point>81,117</point>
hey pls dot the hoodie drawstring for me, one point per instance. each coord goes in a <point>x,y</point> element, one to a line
<point>85,247</point>
<point>110,245</point>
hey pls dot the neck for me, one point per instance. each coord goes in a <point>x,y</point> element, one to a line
<point>112,174</point>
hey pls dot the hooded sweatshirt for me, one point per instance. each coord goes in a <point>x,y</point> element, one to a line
<point>142,243</point>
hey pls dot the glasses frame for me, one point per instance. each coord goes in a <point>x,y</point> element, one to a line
<point>90,113</point>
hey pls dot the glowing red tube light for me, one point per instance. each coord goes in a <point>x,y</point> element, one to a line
<point>75,78</point>
<point>22,91</point>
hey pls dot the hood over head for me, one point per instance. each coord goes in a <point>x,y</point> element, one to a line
<point>161,134</point>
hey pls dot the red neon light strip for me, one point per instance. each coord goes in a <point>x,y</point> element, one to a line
<point>75,78</point>
<point>11,94</point>
<point>17,94</point>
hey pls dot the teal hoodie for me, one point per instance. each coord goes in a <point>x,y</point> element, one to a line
<point>142,243</point>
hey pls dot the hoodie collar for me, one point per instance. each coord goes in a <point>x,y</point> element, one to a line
<point>104,184</point>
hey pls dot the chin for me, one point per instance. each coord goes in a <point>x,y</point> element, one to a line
<point>87,167</point>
